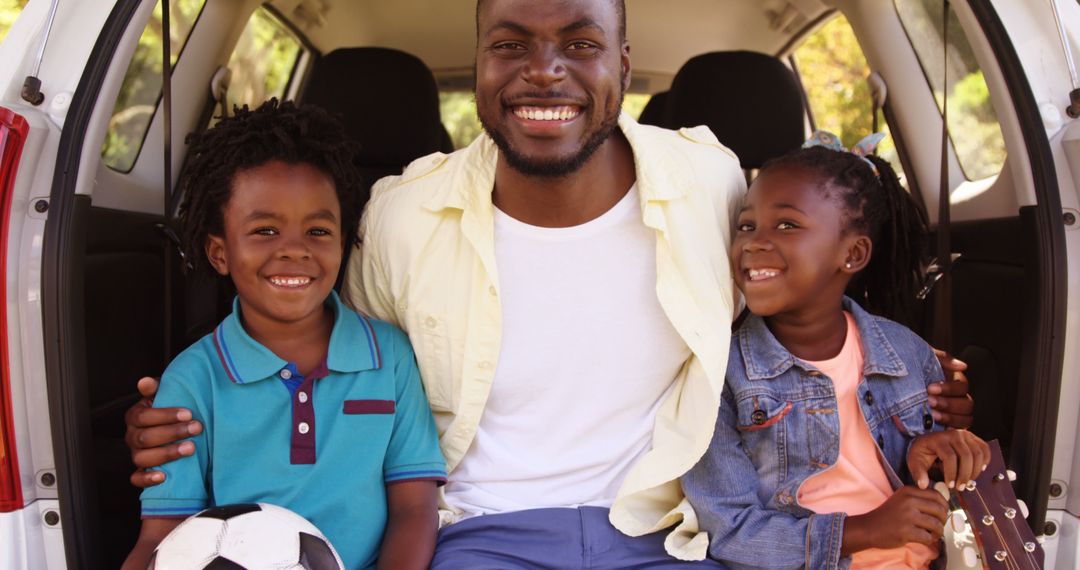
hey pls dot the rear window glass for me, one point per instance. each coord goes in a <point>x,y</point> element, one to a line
<point>973,123</point>
<point>9,10</point>
<point>833,71</point>
<point>141,90</point>
<point>263,62</point>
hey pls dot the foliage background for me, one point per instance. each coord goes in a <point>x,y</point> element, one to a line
<point>9,10</point>
<point>830,62</point>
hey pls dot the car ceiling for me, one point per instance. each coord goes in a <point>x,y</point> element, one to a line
<point>663,33</point>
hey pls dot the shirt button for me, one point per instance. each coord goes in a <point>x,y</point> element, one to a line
<point>430,322</point>
<point>928,422</point>
<point>302,396</point>
<point>813,373</point>
<point>303,428</point>
<point>285,374</point>
<point>492,290</point>
<point>758,417</point>
<point>869,397</point>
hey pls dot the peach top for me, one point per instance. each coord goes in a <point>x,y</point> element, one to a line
<point>857,483</point>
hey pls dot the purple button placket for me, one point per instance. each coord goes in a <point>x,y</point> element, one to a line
<point>302,448</point>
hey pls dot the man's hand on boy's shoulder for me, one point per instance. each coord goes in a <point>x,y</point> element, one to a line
<point>152,434</point>
<point>950,401</point>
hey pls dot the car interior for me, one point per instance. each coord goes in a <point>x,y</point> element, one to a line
<point>388,68</point>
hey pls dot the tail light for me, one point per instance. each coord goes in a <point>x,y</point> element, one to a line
<point>13,131</point>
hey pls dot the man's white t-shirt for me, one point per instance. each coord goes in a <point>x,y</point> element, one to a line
<point>587,358</point>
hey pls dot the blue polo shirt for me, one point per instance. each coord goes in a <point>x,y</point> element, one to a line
<point>325,446</point>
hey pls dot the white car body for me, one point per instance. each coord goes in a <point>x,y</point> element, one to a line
<point>81,85</point>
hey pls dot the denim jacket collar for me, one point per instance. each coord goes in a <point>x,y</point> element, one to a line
<point>765,358</point>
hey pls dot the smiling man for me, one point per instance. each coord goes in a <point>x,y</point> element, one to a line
<point>565,283</point>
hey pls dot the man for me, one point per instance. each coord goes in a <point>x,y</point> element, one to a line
<point>565,284</point>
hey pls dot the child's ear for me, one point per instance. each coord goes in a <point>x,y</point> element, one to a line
<point>215,253</point>
<point>858,254</point>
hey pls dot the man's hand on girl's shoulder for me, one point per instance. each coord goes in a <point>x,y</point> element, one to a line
<point>152,434</point>
<point>963,456</point>
<point>950,401</point>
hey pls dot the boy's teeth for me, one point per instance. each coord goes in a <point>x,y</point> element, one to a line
<point>756,274</point>
<point>563,113</point>
<point>290,281</point>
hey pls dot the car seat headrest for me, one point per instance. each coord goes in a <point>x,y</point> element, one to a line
<point>653,113</point>
<point>388,100</point>
<point>752,102</point>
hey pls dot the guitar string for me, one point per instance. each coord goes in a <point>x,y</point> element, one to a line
<point>1030,556</point>
<point>1010,560</point>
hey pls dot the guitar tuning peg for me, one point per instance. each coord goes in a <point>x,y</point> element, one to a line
<point>1001,555</point>
<point>971,558</point>
<point>1029,547</point>
<point>1040,539</point>
<point>1023,508</point>
<point>1011,474</point>
<point>942,489</point>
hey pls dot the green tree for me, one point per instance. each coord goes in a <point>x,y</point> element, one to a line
<point>9,10</point>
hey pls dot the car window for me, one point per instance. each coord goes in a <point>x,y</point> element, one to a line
<point>978,141</point>
<point>264,61</point>
<point>9,10</point>
<point>833,71</point>
<point>141,90</point>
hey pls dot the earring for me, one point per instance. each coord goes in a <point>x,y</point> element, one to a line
<point>847,265</point>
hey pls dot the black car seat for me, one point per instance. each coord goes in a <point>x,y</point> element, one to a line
<point>389,102</point>
<point>752,102</point>
<point>653,113</point>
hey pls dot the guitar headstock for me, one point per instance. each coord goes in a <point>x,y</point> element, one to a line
<point>1004,538</point>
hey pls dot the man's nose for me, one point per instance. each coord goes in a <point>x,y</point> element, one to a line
<point>544,66</point>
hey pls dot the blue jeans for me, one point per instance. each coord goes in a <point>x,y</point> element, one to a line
<point>556,539</point>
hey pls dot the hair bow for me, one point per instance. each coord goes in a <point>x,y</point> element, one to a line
<point>862,149</point>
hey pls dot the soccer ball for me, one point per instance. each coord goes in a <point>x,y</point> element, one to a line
<point>247,536</point>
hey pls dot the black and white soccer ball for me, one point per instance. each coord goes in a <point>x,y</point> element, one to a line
<point>247,536</point>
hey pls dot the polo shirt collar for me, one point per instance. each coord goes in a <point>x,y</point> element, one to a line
<point>353,346</point>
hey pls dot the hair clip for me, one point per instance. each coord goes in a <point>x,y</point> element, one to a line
<point>862,149</point>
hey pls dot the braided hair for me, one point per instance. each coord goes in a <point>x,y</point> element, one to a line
<point>878,206</point>
<point>250,138</point>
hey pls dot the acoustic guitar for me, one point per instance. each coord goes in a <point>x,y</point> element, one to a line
<point>995,534</point>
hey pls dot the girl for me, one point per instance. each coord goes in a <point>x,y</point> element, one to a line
<point>304,403</point>
<point>824,414</point>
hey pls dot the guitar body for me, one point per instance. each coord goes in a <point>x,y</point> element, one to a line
<point>997,534</point>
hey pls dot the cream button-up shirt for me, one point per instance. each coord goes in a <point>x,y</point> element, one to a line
<point>427,264</point>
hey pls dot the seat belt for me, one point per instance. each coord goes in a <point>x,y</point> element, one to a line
<point>942,334</point>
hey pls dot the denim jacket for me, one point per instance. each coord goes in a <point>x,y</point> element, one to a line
<point>775,430</point>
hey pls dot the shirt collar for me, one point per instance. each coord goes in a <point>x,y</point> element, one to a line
<point>766,358</point>
<point>661,171</point>
<point>353,346</point>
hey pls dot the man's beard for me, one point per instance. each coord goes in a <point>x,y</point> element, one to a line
<point>556,167</point>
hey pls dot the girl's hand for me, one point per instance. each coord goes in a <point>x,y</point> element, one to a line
<point>962,454</point>
<point>909,515</point>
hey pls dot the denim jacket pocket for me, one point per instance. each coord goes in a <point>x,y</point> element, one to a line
<point>761,412</point>
<point>912,417</point>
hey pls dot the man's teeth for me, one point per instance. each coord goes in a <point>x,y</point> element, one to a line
<point>563,113</point>
<point>756,274</point>
<point>290,281</point>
